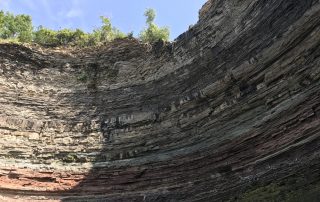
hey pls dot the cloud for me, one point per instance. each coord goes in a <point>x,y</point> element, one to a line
<point>55,14</point>
<point>30,4</point>
<point>75,10</point>
<point>45,5</point>
<point>5,4</point>
<point>74,13</point>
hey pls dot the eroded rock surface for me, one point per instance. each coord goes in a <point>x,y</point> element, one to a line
<point>229,111</point>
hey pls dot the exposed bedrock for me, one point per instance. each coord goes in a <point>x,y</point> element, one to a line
<point>229,111</point>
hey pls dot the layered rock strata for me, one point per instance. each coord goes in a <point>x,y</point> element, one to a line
<point>229,111</point>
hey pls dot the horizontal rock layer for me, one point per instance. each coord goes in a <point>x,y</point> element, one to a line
<point>229,111</point>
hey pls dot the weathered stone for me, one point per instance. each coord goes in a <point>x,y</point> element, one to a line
<point>228,111</point>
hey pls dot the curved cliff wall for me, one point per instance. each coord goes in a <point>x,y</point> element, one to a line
<point>229,111</point>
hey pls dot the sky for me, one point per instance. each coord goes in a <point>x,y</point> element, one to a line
<point>126,15</point>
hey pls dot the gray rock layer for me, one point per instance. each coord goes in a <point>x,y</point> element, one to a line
<point>229,111</point>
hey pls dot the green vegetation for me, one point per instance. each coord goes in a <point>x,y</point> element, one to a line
<point>153,32</point>
<point>105,33</point>
<point>19,28</point>
<point>74,158</point>
<point>289,190</point>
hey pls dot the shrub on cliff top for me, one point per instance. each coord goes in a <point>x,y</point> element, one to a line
<point>45,36</point>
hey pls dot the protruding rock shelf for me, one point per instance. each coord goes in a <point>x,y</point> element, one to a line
<point>229,111</point>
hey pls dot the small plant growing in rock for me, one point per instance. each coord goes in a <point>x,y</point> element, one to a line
<point>70,158</point>
<point>83,77</point>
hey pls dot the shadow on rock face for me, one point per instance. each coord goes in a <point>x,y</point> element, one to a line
<point>219,125</point>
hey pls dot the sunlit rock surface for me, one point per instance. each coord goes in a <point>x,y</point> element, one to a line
<point>229,111</point>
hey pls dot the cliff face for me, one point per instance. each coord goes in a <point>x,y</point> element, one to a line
<point>229,111</point>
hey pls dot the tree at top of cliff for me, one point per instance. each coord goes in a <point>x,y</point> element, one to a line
<point>107,32</point>
<point>153,32</point>
<point>19,26</point>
